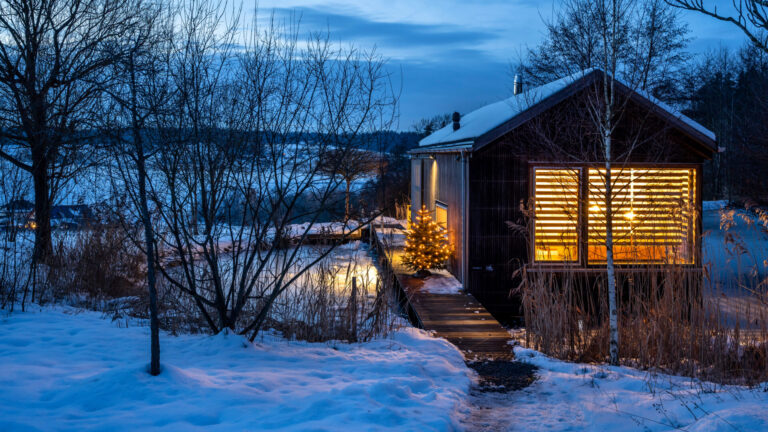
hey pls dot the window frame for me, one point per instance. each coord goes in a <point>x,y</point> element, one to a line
<point>442,206</point>
<point>580,215</point>
<point>583,224</point>
<point>694,246</point>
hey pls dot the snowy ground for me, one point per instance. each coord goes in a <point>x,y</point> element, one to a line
<point>580,397</point>
<point>64,369</point>
<point>740,251</point>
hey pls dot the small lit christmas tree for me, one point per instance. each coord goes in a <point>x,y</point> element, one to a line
<point>426,245</point>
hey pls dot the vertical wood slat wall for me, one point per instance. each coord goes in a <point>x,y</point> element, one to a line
<point>441,181</point>
<point>497,185</point>
<point>416,185</point>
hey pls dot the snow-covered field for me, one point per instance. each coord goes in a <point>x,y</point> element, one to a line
<point>581,397</point>
<point>65,369</point>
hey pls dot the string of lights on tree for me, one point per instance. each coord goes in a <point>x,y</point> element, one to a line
<point>426,245</point>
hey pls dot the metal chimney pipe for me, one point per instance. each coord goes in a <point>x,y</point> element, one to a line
<point>517,85</point>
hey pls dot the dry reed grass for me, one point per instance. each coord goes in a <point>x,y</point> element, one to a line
<point>672,319</point>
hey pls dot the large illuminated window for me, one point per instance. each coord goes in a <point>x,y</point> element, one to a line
<point>653,215</point>
<point>556,197</point>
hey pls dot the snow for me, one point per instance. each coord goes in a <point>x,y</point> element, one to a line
<point>66,369</point>
<point>389,220</point>
<point>735,254</point>
<point>485,119</point>
<point>320,228</point>
<point>441,282</point>
<point>393,235</point>
<point>714,205</point>
<point>573,396</point>
<point>738,246</point>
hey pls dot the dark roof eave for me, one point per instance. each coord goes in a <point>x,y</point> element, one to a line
<point>456,146</point>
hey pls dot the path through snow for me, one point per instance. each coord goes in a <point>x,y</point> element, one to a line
<point>580,397</point>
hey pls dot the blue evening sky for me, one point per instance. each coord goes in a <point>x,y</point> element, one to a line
<point>455,55</point>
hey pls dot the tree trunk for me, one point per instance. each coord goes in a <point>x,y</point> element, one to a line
<point>154,364</point>
<point>613,324</point>
<point>43,244</point>
<point>346,201</point>
<point>149,236</point>
<point>610,269</point>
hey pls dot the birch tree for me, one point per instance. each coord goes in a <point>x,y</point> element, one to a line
<point>650,46</point>
<point>589,137</point>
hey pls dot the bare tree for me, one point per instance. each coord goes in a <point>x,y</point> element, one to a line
<point>750,16</point>
<point>138,95</point>
<point>52,57</point>
<point>349,165</point>
<point>239,172</point>
<point>588,137</point>
<point>649,42</point>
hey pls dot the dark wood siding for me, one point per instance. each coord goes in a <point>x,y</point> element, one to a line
<point>498,183</point>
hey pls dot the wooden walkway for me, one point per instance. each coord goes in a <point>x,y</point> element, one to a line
<point>457,317</point>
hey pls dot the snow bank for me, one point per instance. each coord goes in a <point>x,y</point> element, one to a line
<point>573,396</point>
<point>65,369</point>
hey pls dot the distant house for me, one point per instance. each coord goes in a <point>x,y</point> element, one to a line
<point>16,213</point>
<point>21,214</point>
<point>491,167</point>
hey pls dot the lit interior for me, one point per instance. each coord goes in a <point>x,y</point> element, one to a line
<point>441,215</point>
<point>556,194</point>
<point>653,215</point>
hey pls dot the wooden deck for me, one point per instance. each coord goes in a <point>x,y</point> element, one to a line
<point>458,317</point>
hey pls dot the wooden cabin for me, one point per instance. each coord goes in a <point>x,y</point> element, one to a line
<point>521,182</point>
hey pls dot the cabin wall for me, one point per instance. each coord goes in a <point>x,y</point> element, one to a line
<point>498,183</point>
<point>442,177</point>
<point>416,182</point>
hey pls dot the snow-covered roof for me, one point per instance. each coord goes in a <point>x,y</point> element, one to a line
<point>485,119</point>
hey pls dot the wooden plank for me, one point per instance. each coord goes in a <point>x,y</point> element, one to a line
<point>459,318</point>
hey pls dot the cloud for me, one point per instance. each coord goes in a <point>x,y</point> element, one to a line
<point>391,34</point>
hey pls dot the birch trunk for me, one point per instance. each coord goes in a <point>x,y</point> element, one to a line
<point>609,95</point>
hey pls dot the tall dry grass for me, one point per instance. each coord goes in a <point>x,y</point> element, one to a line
<point>706,323</point>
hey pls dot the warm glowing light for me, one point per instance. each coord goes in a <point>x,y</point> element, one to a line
<point>595,208</point>
<point>655,212</point>
<point>427,246</point>
<point>556,194</point>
